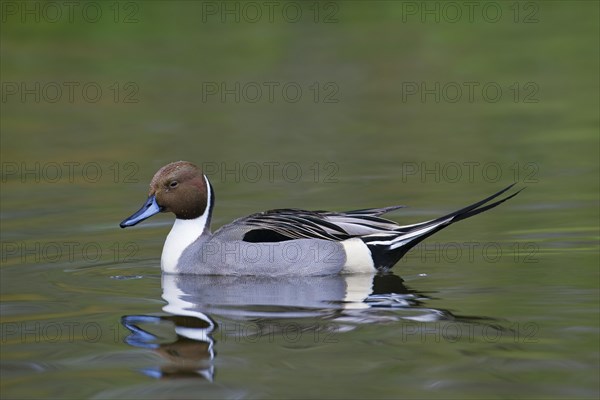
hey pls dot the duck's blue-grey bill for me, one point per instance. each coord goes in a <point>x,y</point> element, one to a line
<point>148,209</point>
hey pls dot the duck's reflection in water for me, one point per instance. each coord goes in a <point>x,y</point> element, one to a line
<point>261,307</point>
<point>188,354</point>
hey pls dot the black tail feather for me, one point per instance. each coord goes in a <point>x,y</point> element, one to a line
<point>385,255</point>
<point>464,210</point>
<point>488,207</point>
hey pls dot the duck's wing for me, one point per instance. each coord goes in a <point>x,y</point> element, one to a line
<point>287,224</point>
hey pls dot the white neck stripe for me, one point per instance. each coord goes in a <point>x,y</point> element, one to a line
<point>183,233</point>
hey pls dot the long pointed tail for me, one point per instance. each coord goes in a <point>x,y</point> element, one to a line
<point>387,249</point>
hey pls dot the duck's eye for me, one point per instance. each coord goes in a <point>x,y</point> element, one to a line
<point>173,184</point>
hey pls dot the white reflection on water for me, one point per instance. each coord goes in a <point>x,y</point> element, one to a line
<point>202,310</point>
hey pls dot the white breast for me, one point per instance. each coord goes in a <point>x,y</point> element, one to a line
<point>183,233</point>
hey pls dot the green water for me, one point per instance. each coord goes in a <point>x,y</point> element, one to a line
<point>349,105</point>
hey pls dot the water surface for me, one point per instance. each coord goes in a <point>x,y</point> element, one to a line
<point>504,305</point>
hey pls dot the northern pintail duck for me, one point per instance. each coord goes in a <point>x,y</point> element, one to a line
<point>282,241</point>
